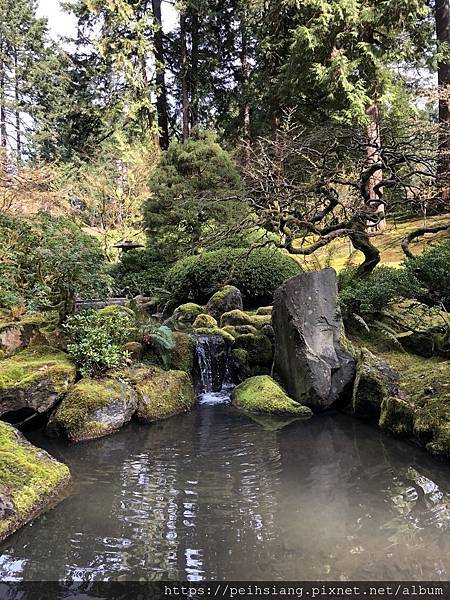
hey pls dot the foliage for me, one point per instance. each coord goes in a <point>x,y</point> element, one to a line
<point>257,273</point>
<point>47,261</point>
<point>194,193</point>
<point>140,272</point>
<point>163,340</point>
<point>369,295</point>
<point>432,270</point>
<point>96,339</point>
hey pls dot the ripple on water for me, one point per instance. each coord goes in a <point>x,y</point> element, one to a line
<point>212,495</point>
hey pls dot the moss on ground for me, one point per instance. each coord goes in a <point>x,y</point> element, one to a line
<point>35,364</point>
<point>261,394</point>
<point>29,477</point>
<point>162,394</point>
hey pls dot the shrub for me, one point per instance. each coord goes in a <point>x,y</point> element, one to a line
<point>96,339</point>
<point>139,272</point>
<point>431,269</point>
<point>46,261</point>
<point>366,296</point>
<point>256,273</point>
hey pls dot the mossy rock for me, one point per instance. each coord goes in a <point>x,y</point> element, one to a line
<point>183,354</point>
<point>93,408</point>
<point>397,415</point>
<point>258,347</point>
<point>205,321</point>
<point>234,318</point>
<point>135,350</point>
<point>260,321</point>
<point>262,394</point>
<point>30,480</point>
<point>35,378</point>
<point>116,309</point>
<point>19,334</point>
<point>440,444</point>
<point>184,316</point>
<point>162,394</point>
<point>226,299</point>
<point>215,331</point>
<point>375,382</point>
<point>264,310</point>
<point>240,364</point>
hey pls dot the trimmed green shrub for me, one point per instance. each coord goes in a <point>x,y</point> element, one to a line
<point>96,339</point>
<point>257,273</point>
<point>431,269</point>
<point>139,272</point>
<point>368,295</point>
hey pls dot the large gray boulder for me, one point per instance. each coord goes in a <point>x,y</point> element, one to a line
<point>309,354</point>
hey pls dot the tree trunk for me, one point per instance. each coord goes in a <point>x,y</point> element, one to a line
<point>3,132</point>
<point>376,202</point>
<point>245,68</point>
<point>442,17</point>
<point>184,76</point>
<point>17,109</point>
<point>194,66</point>
<point>161,91</point>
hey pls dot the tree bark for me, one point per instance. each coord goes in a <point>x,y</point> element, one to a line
<point>184,76</point>
<point>3,132</point>
<point>161,90</point>
<point>17,109</point>
<point>376,202</point>
<point>442,17</point>
<point>245,68</point>
<point>194,66</point>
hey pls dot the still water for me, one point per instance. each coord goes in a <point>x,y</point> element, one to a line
<point>213,495</point>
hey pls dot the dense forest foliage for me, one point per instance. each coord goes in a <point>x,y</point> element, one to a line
<point>199,125</point>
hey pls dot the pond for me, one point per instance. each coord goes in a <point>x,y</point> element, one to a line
<point>214,495</point>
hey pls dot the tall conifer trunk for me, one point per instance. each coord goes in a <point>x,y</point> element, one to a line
<point>245,68</point>
<point>161,91</point>
<point>442,17</point>
<point>194,74</point>
<point>184,75</point>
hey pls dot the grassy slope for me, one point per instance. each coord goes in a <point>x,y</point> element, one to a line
<point>339,253</point>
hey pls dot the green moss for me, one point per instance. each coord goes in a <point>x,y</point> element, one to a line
<point>262,394</point>
<point>264,310</point>
<point>135,350</point>
<point>163,394</point>
<point>397,415</point>
<point>231,330</point>
<point>259,321</point>
<point>35,364</point>
<point>190,309</point>
<point>258,347</point>
<point>216,331</point>
<point>85,398</point>
<point>183,354</point>
<point>28,478</point>
<point>440,444</point>
<point>116,309</point>
<point>205,321</point>
<point>235,317</point>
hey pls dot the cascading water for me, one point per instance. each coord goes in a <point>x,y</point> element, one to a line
<point>212,372</point>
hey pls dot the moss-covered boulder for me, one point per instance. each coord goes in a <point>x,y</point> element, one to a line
<point>162,394</point>
<point>226,299</point>
<point>205,321</point>
<point>397,415</point>
<point>184,316</point>
<point>18,334</point>
<point>93,408</point>
<point>183,354</point>
<point>30,480</point>
<point>375,382</point>
<point>258,347</point>
<point>215,331</point>
<point>135,350</point>
<point>35,378</point>
<point>264,310</point>
<point>262,394</point>
<point>235,318</point>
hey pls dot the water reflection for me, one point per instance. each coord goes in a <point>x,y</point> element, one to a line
<point>212,495</point>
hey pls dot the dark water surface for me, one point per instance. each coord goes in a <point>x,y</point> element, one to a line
<point>213,495</point>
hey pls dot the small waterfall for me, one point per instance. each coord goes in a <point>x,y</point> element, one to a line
<point>211,373</point>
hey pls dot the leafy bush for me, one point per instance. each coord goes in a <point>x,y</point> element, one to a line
<point>257,273</point>
<point>431,269</point>
<point>96,339</point>
<point>139,272</point>
<point>366,296</point>
<point>47,261</point>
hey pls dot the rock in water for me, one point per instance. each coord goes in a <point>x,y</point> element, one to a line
<point>309,354</point>
<point>30,480</point>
